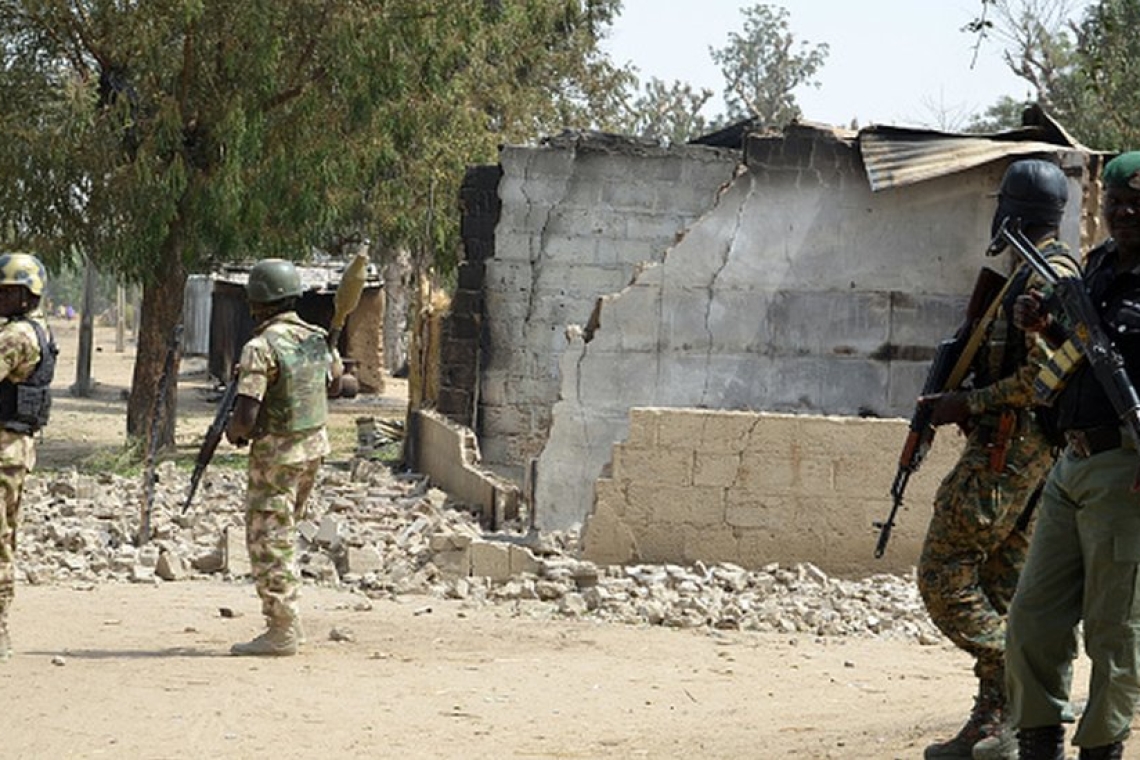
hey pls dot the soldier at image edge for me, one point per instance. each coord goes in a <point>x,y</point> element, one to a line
<point>27,365</point>
<point>1082,574</point>
<point>286,371</point>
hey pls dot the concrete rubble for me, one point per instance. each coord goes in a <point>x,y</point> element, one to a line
<point>386,534</point>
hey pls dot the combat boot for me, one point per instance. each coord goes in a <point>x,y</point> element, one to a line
<point>986,720</point>
<point>999,745</point>
<point>279,640</point>
<point>1042,743</point>
<point>1114,751</point>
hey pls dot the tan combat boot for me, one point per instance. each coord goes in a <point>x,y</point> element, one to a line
<point>279,640</point>
<point>986,721</point>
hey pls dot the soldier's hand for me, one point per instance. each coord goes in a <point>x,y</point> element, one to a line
<point>949,408</point>
<point>1028,313</point>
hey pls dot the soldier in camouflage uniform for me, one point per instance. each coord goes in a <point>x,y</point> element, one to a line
<point>285,372</point>
<point>27,363</point>
<point>979,531</point>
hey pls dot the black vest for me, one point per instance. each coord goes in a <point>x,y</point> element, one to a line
<point>25,407</point>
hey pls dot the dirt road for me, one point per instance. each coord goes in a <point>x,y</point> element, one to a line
<point>142,671</point>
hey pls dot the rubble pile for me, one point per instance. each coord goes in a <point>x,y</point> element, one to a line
<point>389,534</point>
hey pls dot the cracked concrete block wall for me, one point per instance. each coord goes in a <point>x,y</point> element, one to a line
<point>754,488</point>
<point>579,215</point>
<point>801,291</point>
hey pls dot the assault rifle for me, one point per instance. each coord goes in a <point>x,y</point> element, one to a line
<point>344,302</point>
<point>214,435</point>
<point>952,360</point>
<point>1085,330</point>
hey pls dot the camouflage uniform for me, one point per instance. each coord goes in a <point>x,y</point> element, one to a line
<point>19,355</point>
<point>978,536</point>
<point>283,461</point>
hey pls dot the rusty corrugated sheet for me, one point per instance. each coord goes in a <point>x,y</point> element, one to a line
<point>897,157</point>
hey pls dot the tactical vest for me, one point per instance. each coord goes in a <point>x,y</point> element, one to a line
<point>26,406</point>
<point>296,401</point>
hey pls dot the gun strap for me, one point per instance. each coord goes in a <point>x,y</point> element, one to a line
<point>962,366</point>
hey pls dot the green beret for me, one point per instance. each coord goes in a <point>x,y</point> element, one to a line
<point>1123,171</point>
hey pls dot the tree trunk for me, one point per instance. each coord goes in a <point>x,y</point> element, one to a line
<point>161,312</point>
<point>83,380</point>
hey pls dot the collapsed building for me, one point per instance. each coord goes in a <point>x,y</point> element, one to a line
<point>707,352</point>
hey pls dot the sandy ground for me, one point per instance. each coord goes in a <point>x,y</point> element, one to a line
<point>128,671</point>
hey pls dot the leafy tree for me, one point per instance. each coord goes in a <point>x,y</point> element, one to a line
<point>670,113</point>
<point>161,138</point>
<point>1081,70</point>
<point>764,65</point>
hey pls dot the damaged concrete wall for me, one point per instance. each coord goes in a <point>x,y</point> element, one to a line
<point>801,291</point>
<point>751,488</point>
<point>579,215</point>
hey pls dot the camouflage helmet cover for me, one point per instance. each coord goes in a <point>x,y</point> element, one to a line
<point>273,280</point>
<point>23,269</point>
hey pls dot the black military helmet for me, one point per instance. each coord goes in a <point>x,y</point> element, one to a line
<point>1033,193</point>
<point>272,280</point>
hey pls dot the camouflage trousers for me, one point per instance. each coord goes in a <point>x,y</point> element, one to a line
<point>274,502</point>
<point>11,487</point>
<point>976,546</point>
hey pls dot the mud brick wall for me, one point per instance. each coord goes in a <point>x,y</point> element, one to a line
<point>692,485</point>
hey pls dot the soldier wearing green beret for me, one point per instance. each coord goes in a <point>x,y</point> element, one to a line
<point>1084,557</point>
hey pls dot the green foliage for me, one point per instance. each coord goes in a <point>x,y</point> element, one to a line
<point>1003,115</point>
<point>670,113</point>
<point>764,65</point>
<point>242,129</point>
<point>1102,92</point>
<point>1083,72</point>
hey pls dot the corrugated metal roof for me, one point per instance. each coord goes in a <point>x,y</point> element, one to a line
<point>898,157</point>
<point>322,279</point>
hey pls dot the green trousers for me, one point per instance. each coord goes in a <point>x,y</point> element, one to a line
<point>1081,568</point>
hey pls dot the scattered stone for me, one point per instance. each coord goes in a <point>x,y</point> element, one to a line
<point>383,535</point>
<point>58,660</point>
<point>341,633</point>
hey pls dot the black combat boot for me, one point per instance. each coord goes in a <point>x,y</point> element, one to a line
<point>985,722</point>
<point>1114,751</point>
<point>1042,743</point>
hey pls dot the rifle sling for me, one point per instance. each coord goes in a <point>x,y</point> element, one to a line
<point>962,366</point>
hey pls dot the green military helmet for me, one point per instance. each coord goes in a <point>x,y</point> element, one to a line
<point>272,280</point>
<point>23,269</point>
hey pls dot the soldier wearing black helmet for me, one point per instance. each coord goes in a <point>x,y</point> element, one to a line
<point>979,530</point>
<point>27,363</point>
<point>285,372</point>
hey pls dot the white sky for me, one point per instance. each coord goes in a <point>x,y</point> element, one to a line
<point>899,62</point>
